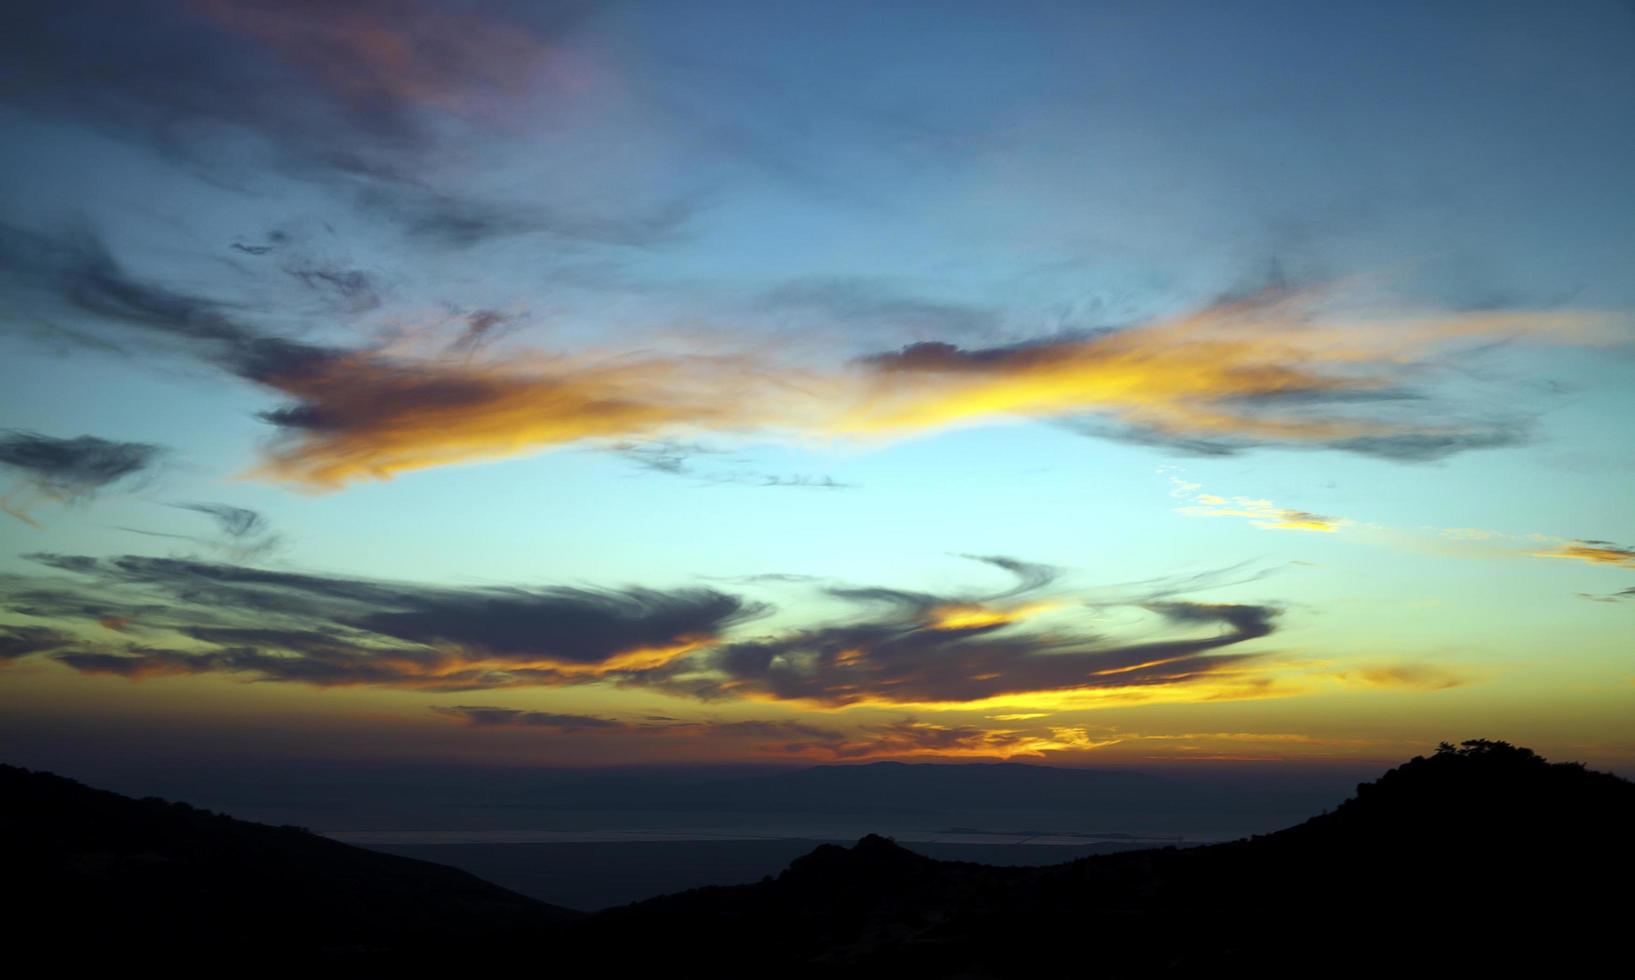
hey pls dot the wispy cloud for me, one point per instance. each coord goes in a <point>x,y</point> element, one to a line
<point>176,617</point>
<point>67,470</point>
<point>359,415</point>
<point>190,617</point>
<point>366,99</point>
<point>1422,677</point>
<point>675,458</point>
<point>1593,552</point>
<point>391,53</point>
<point>1259,512</point>
<point>907,738</point>
<point>1276,370</point>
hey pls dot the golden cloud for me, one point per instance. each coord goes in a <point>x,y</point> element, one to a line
<point>1594,552</point>
<point>1259,512</point>
<point>1272,370</point>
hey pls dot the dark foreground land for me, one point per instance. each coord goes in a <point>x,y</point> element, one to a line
<point>1478,858</point>
<point>593,876</point>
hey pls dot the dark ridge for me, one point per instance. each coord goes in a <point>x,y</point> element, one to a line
<point>1479,857</point>
<point>1482,859</point>
<point>110,877</point>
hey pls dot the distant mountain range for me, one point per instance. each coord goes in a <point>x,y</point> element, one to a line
<point>1481,857</point>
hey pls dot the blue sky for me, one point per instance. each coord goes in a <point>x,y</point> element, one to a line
<point>1098,381</point>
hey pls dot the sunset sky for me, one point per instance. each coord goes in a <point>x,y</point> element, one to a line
<point>603,383</point>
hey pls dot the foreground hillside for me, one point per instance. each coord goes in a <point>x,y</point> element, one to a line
<point>1478,858</point>
<point>106,876</point>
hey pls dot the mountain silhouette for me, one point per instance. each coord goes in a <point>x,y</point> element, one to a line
<point>1482,857</point>
<point>107,877</point>
<point>1479,856</point>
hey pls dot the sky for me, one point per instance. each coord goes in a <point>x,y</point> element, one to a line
<point>584,384</point>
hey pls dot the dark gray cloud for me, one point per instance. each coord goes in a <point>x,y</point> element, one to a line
<point>329,630</point>
<point>906,737</point>
<point>486,717</point>
<point>913,647</point>
<point>481,326</point>
<point>235,522</point>
<point>178,616</point>
<point>24,641</point>
<point>356,98</point>
<point>75,273</point>
<point>453,221</point>
<point>1030,576</point>
<point>72,469</point>
<point>242,534</point>
<point>899,661</point>
<point>349,290</point>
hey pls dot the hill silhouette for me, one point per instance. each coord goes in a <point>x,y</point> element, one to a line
<point>1480,857</point>
<point>106,877</point>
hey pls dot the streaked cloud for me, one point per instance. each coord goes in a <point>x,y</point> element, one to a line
<point>67,470</point>
<point>1421,677</point>
<point>1259,512</point>
<point>1280,369</point>
<point>177,617</point>
<point>369,100</point>
<point>17,642</point>
<point>194,617</point>
<point>1593,552</point>
<point>907,738</point>
<point>361,415</point>
<point>391,52</point>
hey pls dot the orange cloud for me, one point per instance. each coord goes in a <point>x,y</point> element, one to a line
<point>1268,370</point>
<point>1259,512</point>
<point>1594,552</point>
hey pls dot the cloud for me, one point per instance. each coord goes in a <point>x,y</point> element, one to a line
<point>1018,655</point>
<point>784,737</point>
<point>1030,576</point>
<point>1259,512</point>
<point>389,54</point>
<point>490,717</point>
<point>369,99</point>
<point>23,641</point>
<point>244,534</point>
<point>676,458</point>
<point>1628,593</point>
<point>1282,367</point>
<point>1279,370</point>
<point>1209,377</point>
<point>480,327</point>
<point>1421,677</point>
<point>937,651</point>
<point>176,616</point>
<point>235,522</point>
<point>70,470</point>
<point>1593,552</point>
<point>349,290</point>
<point>878,305</point>
<point>202,617</point>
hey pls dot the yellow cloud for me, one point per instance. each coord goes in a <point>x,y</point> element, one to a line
<point>1229,371</point>
<point>1259,512</point>
<point>1594,552</point>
